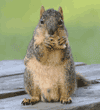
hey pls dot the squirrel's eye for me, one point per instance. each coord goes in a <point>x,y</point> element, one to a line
<point>42,22</point>
<point>60,22</point>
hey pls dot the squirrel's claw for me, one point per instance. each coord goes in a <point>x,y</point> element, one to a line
<point>66,101</point>
<point>49,42</point>
<point>61,40</point>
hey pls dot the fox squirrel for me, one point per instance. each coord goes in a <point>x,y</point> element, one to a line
<point>50,72</point>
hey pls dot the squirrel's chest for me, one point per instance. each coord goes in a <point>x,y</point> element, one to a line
<point>54,58</point>
<point>46,73</point>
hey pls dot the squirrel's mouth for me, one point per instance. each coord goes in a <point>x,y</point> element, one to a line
<point>51,32</point>
<point>50,35</point>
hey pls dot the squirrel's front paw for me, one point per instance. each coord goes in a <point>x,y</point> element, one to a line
<point>49,42</point>
<point>61,40</point>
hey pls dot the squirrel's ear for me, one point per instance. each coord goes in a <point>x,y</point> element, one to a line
<point>41,11</point>
<point>61,12</point>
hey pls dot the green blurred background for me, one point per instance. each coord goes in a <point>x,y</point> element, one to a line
<point>18,19</point>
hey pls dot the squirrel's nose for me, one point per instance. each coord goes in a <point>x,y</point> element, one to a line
<point>51,32</point>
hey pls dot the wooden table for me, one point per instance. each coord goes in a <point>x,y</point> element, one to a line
<point>12,89</point>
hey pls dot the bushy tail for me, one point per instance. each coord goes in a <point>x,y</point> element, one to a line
<point>82,81</point>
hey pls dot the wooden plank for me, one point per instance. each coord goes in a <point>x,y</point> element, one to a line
<point>11,93</point>
<point>11,86</point>
<point>91,72</point>
<point>12,82</point>
<point>79,63</point>
<point>11,67</point>
<point>14,67</point>
<point>87,98</point>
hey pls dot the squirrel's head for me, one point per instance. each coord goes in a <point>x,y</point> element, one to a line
<point>51,20</point>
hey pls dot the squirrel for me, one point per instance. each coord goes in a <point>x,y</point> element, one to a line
<point>50,71</point>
